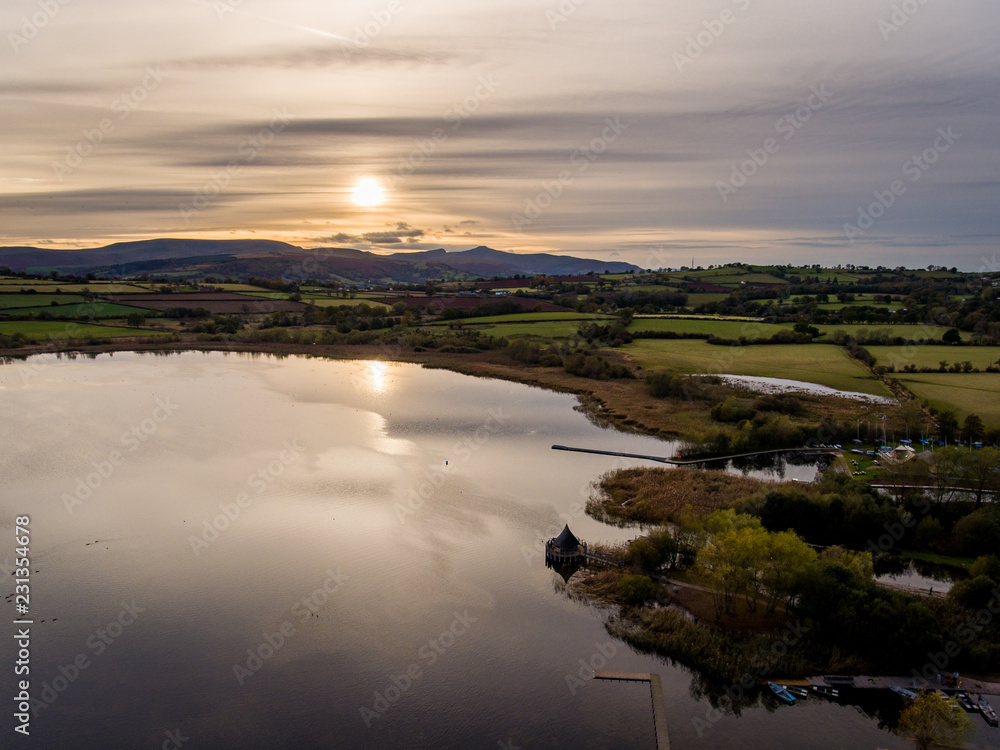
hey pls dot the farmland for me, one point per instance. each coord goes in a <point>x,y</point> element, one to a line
<point>340,302</point>
<point>545,329</point>
<point>724,329</point>
<point>83,310</point>
<point>18,300</point>
<point>931,356</point>
<point>56,330</point>
<point>966,393</point>
<point>95,287</point>
<point>900,330</point>
<point>214,302</point>
<point>535,317</point>
<point>813,363</point>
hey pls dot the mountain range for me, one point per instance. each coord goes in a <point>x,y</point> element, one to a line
<point>243,259</point>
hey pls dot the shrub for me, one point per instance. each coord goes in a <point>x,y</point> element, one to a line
<point>973,593</point>
<point>978,533</point>
<point>987,565</point>
<point>732,410</point>
<point>636,589</point>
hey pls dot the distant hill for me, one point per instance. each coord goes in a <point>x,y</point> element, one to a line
<point>188,259</point>
<point>485,261</point>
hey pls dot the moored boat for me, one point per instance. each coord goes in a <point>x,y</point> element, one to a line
<point>796,690</point>
<point>966,702</point>
<point>782,694</point>
<point>988,713</point>
<point>838,679</point>
<point>902,691</point>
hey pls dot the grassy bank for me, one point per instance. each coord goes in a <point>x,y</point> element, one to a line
<point>642,495</point>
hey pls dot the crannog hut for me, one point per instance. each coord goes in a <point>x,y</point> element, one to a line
<point>565,547</point>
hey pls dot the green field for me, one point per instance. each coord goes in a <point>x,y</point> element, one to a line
<point>95,287</point>
<point>239,288</point>
<point>548,329</point>
<point>341,302</point>
<point>737,278</point>
<point>968,393</point>
<point>904,330</point>
<point>697,316</point>
<point>37,300</point>
<point>43,330</point>
<point>647,288</point>
<point>860,300</point>
<point>254,292</point>
<point>842,305</point>
<point>813,363</point>
<point>275,295</point>
<point>827,274</point>
<point>705,298</point>
<point>930,356</point>
<point>85,310</point>
<point>532,317</point>
<point>726,329</point>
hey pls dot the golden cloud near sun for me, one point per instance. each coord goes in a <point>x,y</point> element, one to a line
<point>368,192</point>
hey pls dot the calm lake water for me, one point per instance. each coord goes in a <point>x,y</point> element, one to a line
<point>369,532</point>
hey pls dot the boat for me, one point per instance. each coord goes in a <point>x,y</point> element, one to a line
<point>988,713</point>
<point>902,691</point>
<point>838,679</point>
<point>826,691</point>
<point>781,693</point>
<point>966,702</point>
<point>796,690</point>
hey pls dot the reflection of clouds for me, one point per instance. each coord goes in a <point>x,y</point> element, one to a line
<point>349,463</point>
<point>377,428</point>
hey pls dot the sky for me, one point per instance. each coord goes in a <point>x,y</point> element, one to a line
<point>659,132</point>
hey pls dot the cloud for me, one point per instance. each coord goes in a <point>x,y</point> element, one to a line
<point>326,55</point>
<point>392,237</point>
<point>403,233</point>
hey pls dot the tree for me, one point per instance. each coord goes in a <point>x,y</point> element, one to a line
<point>135,319</point>
<point>947,425</point>
<point>913,416</point>
<point>948,468</point>
<point>653,551</point>
<point>981,471</point>
<point>973,593</point>
<point>978,533</point>
<point>729,564</point>
<point>788,557</point>
<point>987,565</point>
<point>859,563</point>
<point>935,721</point>
<point>972,428</point>
<point>951,336</point>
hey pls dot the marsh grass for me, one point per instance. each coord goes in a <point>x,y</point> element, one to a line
<point>657,496</point>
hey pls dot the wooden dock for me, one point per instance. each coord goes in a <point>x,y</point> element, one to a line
<point>698,461</point>
<point>656,693</point>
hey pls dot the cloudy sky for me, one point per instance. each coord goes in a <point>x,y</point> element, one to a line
<point>653,131</point>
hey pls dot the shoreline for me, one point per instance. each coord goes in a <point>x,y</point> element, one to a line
<point>625,404</point>
<point>485,364</point>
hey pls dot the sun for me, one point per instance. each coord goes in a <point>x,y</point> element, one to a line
<point>368,192</point>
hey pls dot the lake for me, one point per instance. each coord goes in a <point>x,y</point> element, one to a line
<point>245,551</point>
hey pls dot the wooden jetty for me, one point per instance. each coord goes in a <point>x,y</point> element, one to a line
<point>656,693</point>
<point>698,461</point>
